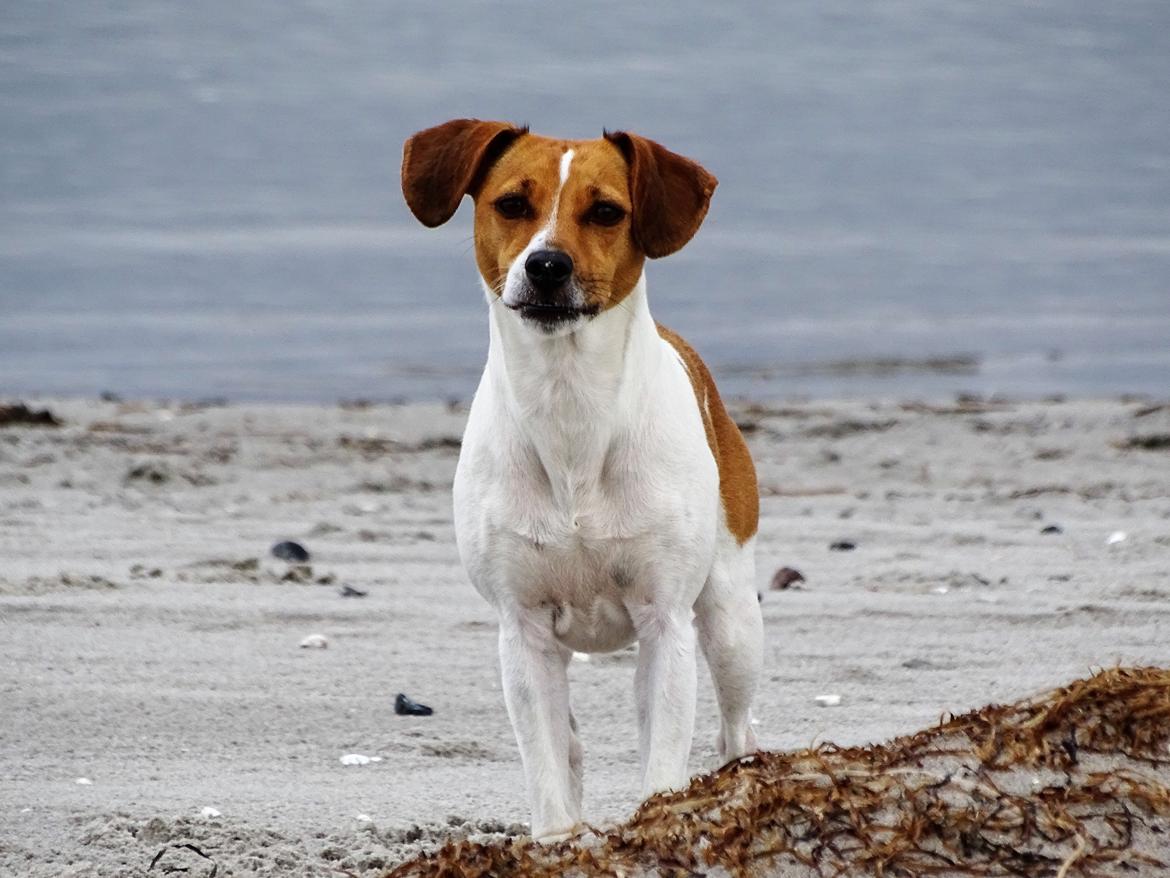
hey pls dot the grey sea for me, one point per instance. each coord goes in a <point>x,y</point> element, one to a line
<point>200,199</point>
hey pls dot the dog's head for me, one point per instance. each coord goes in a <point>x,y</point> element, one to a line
<point>562,227</point>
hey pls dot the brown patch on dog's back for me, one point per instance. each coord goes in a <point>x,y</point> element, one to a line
<point>738,488</point>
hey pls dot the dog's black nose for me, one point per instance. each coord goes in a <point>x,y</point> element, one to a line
<point>548,269</point>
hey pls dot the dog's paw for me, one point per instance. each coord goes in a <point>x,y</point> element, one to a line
<point>554,835</point>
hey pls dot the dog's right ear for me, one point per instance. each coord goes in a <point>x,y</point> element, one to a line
<point>442,164</point>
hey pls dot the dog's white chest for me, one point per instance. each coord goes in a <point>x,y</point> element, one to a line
<point>573,545</point>
<point>583,494</point>
<point>592,514</point>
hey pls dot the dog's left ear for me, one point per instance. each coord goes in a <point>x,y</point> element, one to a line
<point>442,164</point>
<point>671,193</point>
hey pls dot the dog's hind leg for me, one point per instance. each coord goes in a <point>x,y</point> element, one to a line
<point>731,635</point>
<point>536,692</point>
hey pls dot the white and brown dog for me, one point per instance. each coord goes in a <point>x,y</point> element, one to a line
<point>603,495</point>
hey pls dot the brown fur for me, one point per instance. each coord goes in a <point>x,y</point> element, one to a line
<point>737,474</point>
<point>671,193</point>
<point>607,259</point>
<point>442,164</point>
<point>665,197</point>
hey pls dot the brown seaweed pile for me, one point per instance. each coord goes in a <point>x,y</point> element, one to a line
<point>1075,782</point>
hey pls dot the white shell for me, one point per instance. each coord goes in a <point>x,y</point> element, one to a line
<point>828,700</point>
<point>358,759</point>
<point>315,641</point>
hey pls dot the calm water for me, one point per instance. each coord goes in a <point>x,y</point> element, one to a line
<point>201,198</point>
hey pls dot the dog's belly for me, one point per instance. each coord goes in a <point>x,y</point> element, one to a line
<point>601,625</point>
<point>584,589</point>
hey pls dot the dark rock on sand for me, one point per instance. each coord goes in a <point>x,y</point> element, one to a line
<point>842,546</point>
<point>1149,442</point>
<point>20,415</point>
<point>785,577</point>
<point>292,552</point>
<point>404,706</point>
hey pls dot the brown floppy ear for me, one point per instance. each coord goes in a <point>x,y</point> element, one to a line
<point>442,164</point>
<point>671,193</point>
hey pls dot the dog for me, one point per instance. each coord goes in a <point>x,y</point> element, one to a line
<point>603,495</point>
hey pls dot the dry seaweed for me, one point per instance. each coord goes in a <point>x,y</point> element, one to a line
<point>1070,783</point>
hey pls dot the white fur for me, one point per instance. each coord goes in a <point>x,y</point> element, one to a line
<point>587,513</point>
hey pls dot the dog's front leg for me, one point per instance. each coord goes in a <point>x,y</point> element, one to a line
<point>665,690</point>
<point>536,691</point>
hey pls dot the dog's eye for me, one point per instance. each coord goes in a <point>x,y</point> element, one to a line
<point>605,213</point>
<point>513,206</point>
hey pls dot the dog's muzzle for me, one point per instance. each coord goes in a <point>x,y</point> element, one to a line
<point>550,298</point>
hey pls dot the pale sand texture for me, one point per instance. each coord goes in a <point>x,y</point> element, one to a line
<point>186,688</point>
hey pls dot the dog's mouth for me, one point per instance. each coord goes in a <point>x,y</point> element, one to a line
<point>550,314</point>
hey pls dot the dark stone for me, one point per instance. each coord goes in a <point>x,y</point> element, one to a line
<point>20,415</point>
<point>348,591</point>
<point>919,664</point>
<point>1052,529</point>
<point>842,546</point>
<point>785,577</point>
<point>403,706</point>
<point>292,552</point>
<point>1151,442</point>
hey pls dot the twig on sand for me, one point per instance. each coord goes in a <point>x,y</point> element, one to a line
<point>1072,858</point>
<point>183,846</point>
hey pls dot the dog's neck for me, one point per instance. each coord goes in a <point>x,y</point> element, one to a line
<point>570,396</point>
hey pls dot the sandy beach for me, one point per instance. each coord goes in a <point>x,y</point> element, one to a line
<point>154,692</point>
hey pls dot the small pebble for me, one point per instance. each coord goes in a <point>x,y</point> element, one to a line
<point>942,589</point>
<point>828,700</point>
<point>1052,529</point>
<point>785,577</point>
<point>292,552</point>
<point>842,546</point>
<point>580,656</point>
<point>358,759</point>
<point>315,641</point>
<point>918,664</point>
<point>364,818</point>
<point>404,706</point>
<point>348,591</point>
<point>209,813</point>
<point>84,781</point>
<point>1118,536</point>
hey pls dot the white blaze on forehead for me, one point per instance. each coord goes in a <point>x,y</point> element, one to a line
<point>551,226</point>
